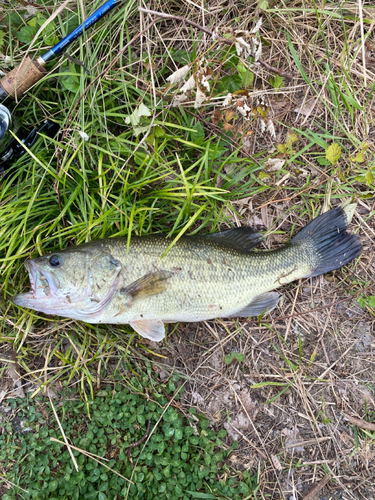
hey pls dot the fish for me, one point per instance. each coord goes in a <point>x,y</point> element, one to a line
<point>201,277</point>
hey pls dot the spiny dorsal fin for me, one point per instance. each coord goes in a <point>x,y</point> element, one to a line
<point>243,238</point>
<point>146,286</point>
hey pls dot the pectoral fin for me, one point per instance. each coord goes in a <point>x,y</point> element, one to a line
<point>260,304</point>
<point>150,284</point>
<point>152,329</point>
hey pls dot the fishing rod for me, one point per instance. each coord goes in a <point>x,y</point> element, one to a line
<point>19,80</point>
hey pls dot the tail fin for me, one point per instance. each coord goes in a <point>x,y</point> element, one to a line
<point>333,246</point>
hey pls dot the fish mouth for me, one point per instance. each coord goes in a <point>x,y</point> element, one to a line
<point>46,297</point>
<point>43,286</point>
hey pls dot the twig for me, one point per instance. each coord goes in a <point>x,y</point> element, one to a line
<point>227,41</point>
<point>285,74</point>
<point>63,434</point>
<point>312,494</point>
<point>140,441</point>
<point>358,422</point>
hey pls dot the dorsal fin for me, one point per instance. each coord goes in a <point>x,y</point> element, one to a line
<point>243,238</point>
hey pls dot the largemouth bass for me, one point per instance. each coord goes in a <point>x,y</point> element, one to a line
<point>200,278</point>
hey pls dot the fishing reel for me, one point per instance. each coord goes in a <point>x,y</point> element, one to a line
<point>13,137</point>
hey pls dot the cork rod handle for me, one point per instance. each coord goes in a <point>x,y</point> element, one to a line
<point>20,79</point>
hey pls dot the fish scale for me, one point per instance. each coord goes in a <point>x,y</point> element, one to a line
<point>199,278</point>
<point>217,281</point>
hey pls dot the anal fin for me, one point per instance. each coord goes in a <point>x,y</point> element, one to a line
<point>260,304</point>
<point>152,329</point>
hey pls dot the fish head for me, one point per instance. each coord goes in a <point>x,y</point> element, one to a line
<point>78,282</point>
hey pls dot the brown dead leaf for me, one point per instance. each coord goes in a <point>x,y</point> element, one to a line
<point>276,463</point>
<point>227,126</point>
<point>278,106</point>
<point>307,107</point>
<point>292,439</point>
<point>274,164</point>
<point>240,423</point>
<point>229,115</point>
<point>255,221</point>
<point>264,214</point>
<point>366,56</point>
<point>216,116</point>
<point>14,374</point>
<point>249,404</point>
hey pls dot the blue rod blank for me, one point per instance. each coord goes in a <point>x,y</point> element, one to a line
<point>94,18</point>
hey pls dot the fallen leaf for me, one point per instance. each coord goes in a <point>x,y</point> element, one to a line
<point>250,405</point>
<point>240,423</point>
<point>227,100</point>
<point>199,98</point>
<point>307,107</point>
<point>293,438</point>
<point>274,164</point>
<point>257,27</point>
<point>216,116</point>
<point>135,117</point>
<point>291,138</point>
<point>179,99</point>
<point>188,85</point>
<point>179,75</point>
<point>2,395</point>
<point>333,153</point>
<point>13,373</point>
<point>276,463</point>
<point>283,179</point>
<point>197,398</point>
<point>271,128</point>
<point>229,115</point>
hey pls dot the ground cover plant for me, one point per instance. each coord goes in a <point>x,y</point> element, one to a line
<point>174,127</point>
<point>177,461</point>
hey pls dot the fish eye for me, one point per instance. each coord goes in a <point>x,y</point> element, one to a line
<point>55,260</point>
